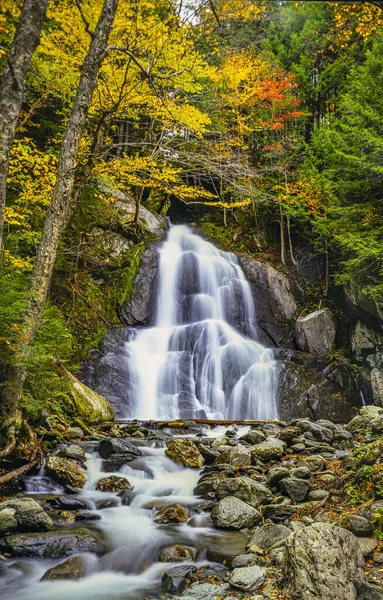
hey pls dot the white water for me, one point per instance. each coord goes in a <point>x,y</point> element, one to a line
<point>201,359</point>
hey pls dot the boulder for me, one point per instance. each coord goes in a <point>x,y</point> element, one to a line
<point>272,449</point>
<point>73,451</point>
<point>226,546</point>
<point>316,332</point>
<point>233,513</point>
<point>89,406</point>
<point>113,483</point>
<point>65,471</point>
<point>250,491</point>
<point>74,567</point>
<point>266,536</point>
<point>254,436</point>
<point>275,297</point>
<point>276,474</point>
<point>358,525</point>
<point>172,514</point>
<point>322,561</point>
<point>111,446</point>
<point>177,553</point>
<point>239,456</point>
<point>367,345</point>
<point>174,580</point>
<point>205,591</point>
<point>367,545</point>
<point>27,512</point>
<point>377,386</point>
<point>207,485</point>
<point>296,489</point>
<point>248,579</point>
<point>56,543</point>
<point>184,451</point>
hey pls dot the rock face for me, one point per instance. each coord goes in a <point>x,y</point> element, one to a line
<point>377,386</point>
<point>316,332</point>
<point>28,514</point>
<point>323,561</point>
<point>65,471</point>
<point>232,513</point>
<point>57,543</point>
<point>184,451</point>
<point>276,301</point>
<point>141,306</point>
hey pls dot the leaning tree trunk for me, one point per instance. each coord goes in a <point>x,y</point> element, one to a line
<point>12,85</point>
<point>60,209</point>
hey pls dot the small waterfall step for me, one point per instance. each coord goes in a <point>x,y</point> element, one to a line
<point>201,358</point>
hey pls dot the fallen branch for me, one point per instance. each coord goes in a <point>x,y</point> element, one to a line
<point>11,443</point>
<point>36,457</point>
<point>181,423</point>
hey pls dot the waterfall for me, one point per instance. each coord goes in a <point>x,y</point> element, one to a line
<point>201,358</point>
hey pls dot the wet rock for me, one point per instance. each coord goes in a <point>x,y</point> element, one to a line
<point>367,545</point>
<point>266,536</point>
<point>226,546</point>
<point>66,471</point>
<point>278,512</point>
<point>175,513</point>
<point>126,496</point>
<point>294,488</point>
<point>57,543</point>
<point>174,580</point>
<point>87,515</point>
<point>248,579</point>
<point>113,483</point>
<point>254,436</point>
<point>177,553</point>
<point>272,449</point>
<point>65,503</point>
<point>28,513</point>
<point>72,568</point>
<point>73,451</point>
<point>7,520</point>
<point>184,451</point>
<point>90,407</point>
<point>316,332</point>
<point>238,456</point>
<point>208,454</point>
<point>233,513</point>
<point>111,446</point>
<point>206,486</point>
<point>246,489</point>
<point>359,526</point>
<point>322,561</point>
<point>116,461</point>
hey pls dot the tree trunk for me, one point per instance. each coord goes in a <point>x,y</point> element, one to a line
<point>283,237</point>
<point>61,206</point>
<point>12,85</point>
<point>139,194</point>
<point>290,241</point>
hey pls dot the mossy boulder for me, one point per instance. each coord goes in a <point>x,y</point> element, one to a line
<point>89,406</point>
<point>173,514</point>
<point>27,513</point>
<point>113,484</point>
<point>185,452</point>
<point>72,568</point>
<point>57,543</point>
<point>66,471</point>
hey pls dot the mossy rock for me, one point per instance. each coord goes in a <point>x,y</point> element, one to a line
<point>90,407</point>
<point>113,484</point>
<point>185,452</point>
<point>65,471</point>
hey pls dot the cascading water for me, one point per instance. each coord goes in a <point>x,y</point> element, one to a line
<point>201,358</point>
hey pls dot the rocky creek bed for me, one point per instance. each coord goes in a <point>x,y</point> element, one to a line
<point>272,511</point>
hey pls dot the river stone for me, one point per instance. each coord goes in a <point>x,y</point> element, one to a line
<point>239,456</point>
<point>207,486</point>
<point>322,434</point>
<point>28,514</point>
<point>359,526</point>
<point>66,471</point>
<point>288,434</point>
<point>204,591</point>
<point>296,489</point>
<point>7,520</point>
<point>233,513</point>
<point>314,463</point>
<point>254,436</point>
<point>57,543</point>
<point>74,433</point>
<point>317,495</point>
<point>219,441</point>
<point>184,451</point>
<point>113,483</point>
<point>69,503</point>
<point>177,553</point>
<point>246,489</point>
<point>278,512</point>
<point>226,546</point>
<point>315,332</point>
<point>266,536</point>
<point>73,451</point>
<point>367,545</point>
<point>174,580</point>
<point>272,449</point>
<point>110,446</point>
<point>358,424</point>
<point>367,591</point>
<point>248,579</point>
<point>275,475</point>
<point>244,560</point>
<point>300,472</point>
<point>322,561</point>
<point>74,567</point>
<point>209,454</point>
<point>174,513</point>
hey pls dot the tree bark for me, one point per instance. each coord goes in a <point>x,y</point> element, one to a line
<point>283,236</point>
<point>61,207</point>
<point>290,242</point>
<point>12,85</point>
